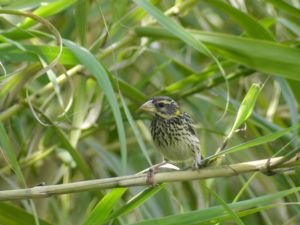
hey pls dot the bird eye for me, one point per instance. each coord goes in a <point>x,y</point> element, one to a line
<point>160,105</point>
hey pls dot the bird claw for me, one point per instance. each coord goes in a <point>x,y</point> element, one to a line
<point>150,177</point>
<point>151,172</point>
<point>198,163</point>
<point>268,170</point>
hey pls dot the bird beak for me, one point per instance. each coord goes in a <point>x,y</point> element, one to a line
<point>148,107</point>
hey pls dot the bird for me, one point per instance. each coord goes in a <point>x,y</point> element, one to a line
<point>173,132</point>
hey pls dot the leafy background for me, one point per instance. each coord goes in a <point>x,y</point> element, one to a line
<point>70,113</point>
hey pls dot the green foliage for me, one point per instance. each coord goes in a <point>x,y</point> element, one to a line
<point>246,108</point>
<point>70,113</point>
<point>102,210</point>
<point>10,214</point>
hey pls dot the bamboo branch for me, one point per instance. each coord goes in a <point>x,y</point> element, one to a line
<point>141,179</point>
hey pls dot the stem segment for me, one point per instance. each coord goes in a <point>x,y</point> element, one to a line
<point>141,179</point>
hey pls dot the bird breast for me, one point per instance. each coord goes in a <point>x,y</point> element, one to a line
<point>174,140</point>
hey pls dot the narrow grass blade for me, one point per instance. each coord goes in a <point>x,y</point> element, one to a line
<point>172,27</point>
<point>184,36</point>
<point>210,214</point>
<point>284,6</point>
<point>252,27</point>
<point>12,215</point>
<point>102,77</point>
<point>48,10</point>
<point>82,166</point>
<point>136,201</point>
<point>131,92</point>
<point>269,57</point>
<point>194,78</point>
<point>81,20</point>
<point>11,53</point>
<point>231,213</point>
<point>11,84</point>
<point>246,108</point>
<point>103,209</point>
<point>291,101</point>
<point>49,26</point>
<point>80,110</point>
<point>136,131</point>
<point>244,187</point>
<point>6,146</point>
<point>257,141</point>
<point>52,79</point>
<point>294,27</point>
<point>226,218</point>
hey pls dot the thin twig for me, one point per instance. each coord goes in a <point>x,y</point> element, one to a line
<point>141,179</point>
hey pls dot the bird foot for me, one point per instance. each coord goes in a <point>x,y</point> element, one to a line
<point>150,177</point>
<point>198,163</point>
<point>151,172</point>
<point>268,169</point>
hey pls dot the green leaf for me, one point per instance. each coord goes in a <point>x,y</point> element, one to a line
<point>210,214</point>
<point>130,19</point>
<point>183,35</point>
<point>195,79</point>
<point>13,54</point>
<point>291,101</point>
<point>81,19</point>
<point>252,27</point>
<point>21,4</point>
<point>5,145</point>
<point>81,108</point>
<point>232,214</point>
<point>257,141</point>
<point>136,201</point>
<point>102,76</point>
<point>242,213</point>
<point>52,78</point>
<point>48,10</point>
<point>130,91</point>
<point>246,108</point>
<point>284,6</point>
<point>172,27</point>
<point>82,165</point>
<point>265,56</point>
<point>136,131</point>
<point>246,185</point>
<point>103,209</point>
<point>294,27</point>
<point>12,215</point>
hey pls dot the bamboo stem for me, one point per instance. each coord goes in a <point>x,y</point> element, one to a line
<point>141,179</point>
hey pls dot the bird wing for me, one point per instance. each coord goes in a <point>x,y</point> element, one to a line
<point>189,124</point>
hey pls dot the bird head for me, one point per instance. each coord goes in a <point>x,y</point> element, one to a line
<point>162,106</point>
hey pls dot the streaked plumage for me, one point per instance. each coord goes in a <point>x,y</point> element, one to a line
<point>173,132</point>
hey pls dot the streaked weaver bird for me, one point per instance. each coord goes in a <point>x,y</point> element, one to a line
<point>173,132</point>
